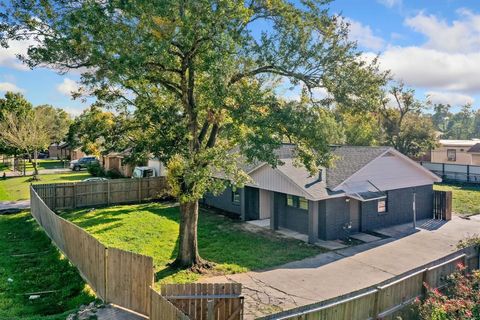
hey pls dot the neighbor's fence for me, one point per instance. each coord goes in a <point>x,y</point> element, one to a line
<point>454,172</point>
<point>99,193</point>
<point>442,205</point>
<point>385,300</point>
<point>126,278</point>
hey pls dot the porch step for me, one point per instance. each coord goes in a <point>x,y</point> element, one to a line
<point>364,237</point>
<point>331,245</point>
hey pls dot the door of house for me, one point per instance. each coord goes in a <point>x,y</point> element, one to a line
<point>252,201</point>
<point>355,215</point>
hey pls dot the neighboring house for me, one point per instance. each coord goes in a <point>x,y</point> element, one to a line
<point>115,161</point>
<point>63,151</point>
<point>159,167</point>
<point>367,188</point>
<point>457,152</point>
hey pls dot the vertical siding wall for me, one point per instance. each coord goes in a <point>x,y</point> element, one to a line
<point>223,201</point>
<point>400,208</point>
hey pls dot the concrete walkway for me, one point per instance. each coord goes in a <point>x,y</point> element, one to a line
<point>339,272</point>
<point>14,206</point>
<point>115,313</point>
<point>30,173</point>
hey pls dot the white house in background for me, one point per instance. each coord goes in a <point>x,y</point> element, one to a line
<point>457,152</point>
<point>159,167</point>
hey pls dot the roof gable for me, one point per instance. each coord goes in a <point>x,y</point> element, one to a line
<point>392,170</point>
<point>350,160</point>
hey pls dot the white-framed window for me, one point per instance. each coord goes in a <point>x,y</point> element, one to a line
<point>235,197</point>
<point>297,202</point>
<point>451,155</point>
<point>382,205</point>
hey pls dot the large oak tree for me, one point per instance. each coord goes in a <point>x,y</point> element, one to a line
<point>205,77</point>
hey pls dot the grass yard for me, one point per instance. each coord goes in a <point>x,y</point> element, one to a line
<point>32,264</point>
<point>42,165</point>
<point>14,189</point>
<point>152,229</point>
<point>466,198</point>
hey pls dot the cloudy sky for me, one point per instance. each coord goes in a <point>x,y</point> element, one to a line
<point>431,45</point>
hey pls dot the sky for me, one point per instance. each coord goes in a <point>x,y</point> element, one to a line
<point>432,46</point>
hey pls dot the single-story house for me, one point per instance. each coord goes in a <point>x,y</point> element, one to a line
<point>63,151</point>
<point>115,161</point>
<point>457,152</point>
<point>366,188</point>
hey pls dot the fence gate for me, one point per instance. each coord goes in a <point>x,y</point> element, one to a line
<point>442,205</point>
<point>206,301</point>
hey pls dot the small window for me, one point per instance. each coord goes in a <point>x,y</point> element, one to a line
<point>452,155</point>
<point>297,202</point>
<point>303,204</point>
<point>235,197</point>
<point>383,205</point>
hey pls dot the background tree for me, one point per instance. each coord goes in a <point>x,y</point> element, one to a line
<point>58,122</point>
<point>361,128</point>
<point>199,68</point>
<point>404,127</point>
<point>27,133</point>
<point>16,104</point>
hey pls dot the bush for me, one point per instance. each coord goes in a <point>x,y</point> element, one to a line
<point>460,300</point>
<point>96,170</point>
<point>113,174</point>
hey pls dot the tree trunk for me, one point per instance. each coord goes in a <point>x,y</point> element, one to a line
<point>35,168</point>
<point>188,247</point>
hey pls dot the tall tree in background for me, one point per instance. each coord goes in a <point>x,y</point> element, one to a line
<point>404,126</point>
<point>198,67</point>
<point>58,122</point>
<point>28,133</point>
<point>13,104</point>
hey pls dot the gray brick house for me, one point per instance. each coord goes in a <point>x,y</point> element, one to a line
<point>365,189</point>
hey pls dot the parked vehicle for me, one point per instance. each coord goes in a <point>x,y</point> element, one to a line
<point>144,172</point>
<point>94,179</point>
<point>82,163</point>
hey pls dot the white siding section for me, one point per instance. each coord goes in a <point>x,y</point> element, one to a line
<point>270,179</point>
<point>390,172</point>
<point>264,196</point>
<point>158,166</point>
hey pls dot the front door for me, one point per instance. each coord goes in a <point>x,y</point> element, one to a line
<point>355,215</point>
<point>252,211</point>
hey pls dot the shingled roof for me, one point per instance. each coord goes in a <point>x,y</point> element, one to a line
<point>475,148</point>
<point>349,160</point>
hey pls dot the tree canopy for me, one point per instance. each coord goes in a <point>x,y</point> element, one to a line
<point>204,76</point>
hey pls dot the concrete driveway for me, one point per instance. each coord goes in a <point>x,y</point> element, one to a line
<point>339,272</point>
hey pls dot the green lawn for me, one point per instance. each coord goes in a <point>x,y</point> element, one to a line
<point>152,229</point>
<point>466,198</point>
<point>32,264</point>
<point>14,189</point>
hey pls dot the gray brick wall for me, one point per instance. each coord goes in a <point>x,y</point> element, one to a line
<point>333,215</point>
<point>223,201</point>
<point>290,218</point>
<point>399,208</point>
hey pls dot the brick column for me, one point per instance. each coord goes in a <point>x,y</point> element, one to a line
<point>312,221</point>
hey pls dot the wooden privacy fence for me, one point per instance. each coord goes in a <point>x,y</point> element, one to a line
<point>385,300</point>
<point>73,195</point>
<point>126,278</point>
<point>442,205</point>
<point>206,300</point>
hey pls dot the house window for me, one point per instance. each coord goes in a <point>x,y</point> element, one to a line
<point>382,205</point>
<point>452,155</point>
<point>235,197</point>
<point>297,202</point>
